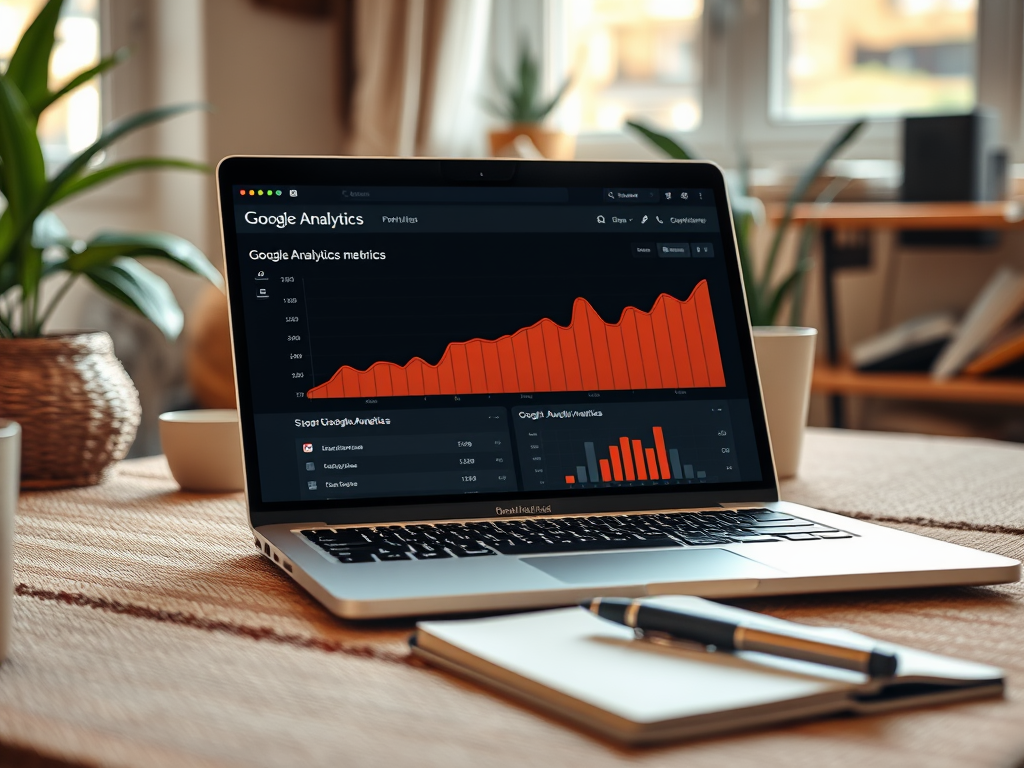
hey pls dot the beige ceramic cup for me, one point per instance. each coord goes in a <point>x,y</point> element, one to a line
<point>203,449</point>
<point>10,478</point>
<point>785,361</point>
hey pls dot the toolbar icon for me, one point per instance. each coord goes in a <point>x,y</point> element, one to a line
<point>307,447</point>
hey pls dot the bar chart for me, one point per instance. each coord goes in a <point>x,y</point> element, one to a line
<point>627,444</point>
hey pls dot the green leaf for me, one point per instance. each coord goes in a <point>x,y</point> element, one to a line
<point>545,109</point>
<point>48,230</point>
<point>29,70</point>
<point>107,247</point>
<point>81,78</point>
<point>131,284</point>
<point>667,145</point>
<point>110,134</point>
<point>79,184</point>
<point>24,172</point>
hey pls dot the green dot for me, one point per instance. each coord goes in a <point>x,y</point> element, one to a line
<point>278,192</point>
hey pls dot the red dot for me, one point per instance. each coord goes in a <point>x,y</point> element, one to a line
<point>243,192</point>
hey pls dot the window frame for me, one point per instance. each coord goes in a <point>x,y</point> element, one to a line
<point>739,62</point>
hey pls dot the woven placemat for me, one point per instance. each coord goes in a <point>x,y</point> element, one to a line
<point>949,482</point>
<point>149,632</point>
<point>97,686</point>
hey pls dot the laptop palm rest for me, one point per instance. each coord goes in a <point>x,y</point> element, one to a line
<point>653,568</point>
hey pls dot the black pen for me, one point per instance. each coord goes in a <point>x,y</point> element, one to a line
<point>710,630</point>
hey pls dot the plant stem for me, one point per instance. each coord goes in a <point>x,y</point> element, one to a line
<point>5,329</point>
<point>38,330</point>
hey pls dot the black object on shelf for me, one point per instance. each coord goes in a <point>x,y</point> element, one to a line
<point>952,158</point>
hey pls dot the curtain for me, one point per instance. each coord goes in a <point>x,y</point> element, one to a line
<point>410,73</point>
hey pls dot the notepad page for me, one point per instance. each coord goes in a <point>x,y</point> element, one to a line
<point>599,663</point>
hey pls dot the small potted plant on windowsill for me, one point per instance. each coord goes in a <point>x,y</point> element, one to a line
<point>520,104</point>
<point>77,407</point>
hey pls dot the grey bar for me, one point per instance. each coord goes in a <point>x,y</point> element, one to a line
<point>592,462</point>
<point>674,250</point>
<point>581,475</point>
<point>688,471</point>
<point>701,474</point>
<point>673,457</point>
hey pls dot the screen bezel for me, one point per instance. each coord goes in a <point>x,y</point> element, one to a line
<point>337,171</point>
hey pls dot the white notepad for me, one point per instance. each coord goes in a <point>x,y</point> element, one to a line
<point>593,672</point>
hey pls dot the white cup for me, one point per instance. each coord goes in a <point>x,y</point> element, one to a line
<point>785,362</point>
<point>203,449</point>
<point>10,478</point>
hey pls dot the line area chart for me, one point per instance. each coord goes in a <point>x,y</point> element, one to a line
<point>674,345</point>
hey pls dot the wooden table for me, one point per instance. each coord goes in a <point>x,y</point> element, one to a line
<point>149,632</point>
<point>840,251</point>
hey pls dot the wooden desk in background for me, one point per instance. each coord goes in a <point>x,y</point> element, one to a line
<point>840,251</point>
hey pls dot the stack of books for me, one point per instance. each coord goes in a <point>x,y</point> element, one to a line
<point>988,340</point>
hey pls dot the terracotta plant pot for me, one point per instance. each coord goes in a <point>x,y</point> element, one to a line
<point>77,407</point>
<point>552,144</point>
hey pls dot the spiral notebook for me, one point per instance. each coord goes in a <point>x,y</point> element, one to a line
<point>596,674</point>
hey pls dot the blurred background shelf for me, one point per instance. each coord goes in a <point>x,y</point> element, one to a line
<point>842,380</point>
<point>1007,214</point>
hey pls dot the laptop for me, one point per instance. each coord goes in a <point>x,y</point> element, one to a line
<point>478,385</point>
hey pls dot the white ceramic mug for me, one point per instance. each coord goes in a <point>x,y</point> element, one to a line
<point>785,361</point>
<point>203,449</point>
<point>10,479</point>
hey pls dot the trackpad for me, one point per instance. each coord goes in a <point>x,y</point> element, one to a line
<point>650,567</point>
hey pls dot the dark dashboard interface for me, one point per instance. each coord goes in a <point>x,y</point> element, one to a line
<point>424,343</point>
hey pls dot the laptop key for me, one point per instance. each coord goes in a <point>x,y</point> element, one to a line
<point>834,535</point>
<point>387,556</point>
<point>798,536</point>
<point>356,557</point>
<point>471,551</point>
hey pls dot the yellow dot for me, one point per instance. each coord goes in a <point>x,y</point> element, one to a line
<point>260,192</point>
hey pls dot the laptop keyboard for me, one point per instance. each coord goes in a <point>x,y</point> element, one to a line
<point>539,536</point>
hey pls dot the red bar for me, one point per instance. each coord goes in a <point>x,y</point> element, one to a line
<point>475,360</point>
<point>599,344</point>
<point>663,343</point>
<point>584,344</point>
<point>606,470</point>
<point>617,355</point>
<point>507,358</point>
<point>613,451</point>
<point>659,444</point>
<point>648,348</point>
<point>431,380</point>
<point>414,376</point>
<point>556,360</point>
<point>573,372</point>
<point>399,381</point>
<point>351,382</point>
<point>627,459</point>
<point>716,376</point>
<point>631,348</point>
<point>652,463</point>
<point>694,344</point>
<point>492,366</point>
<point>538,359</point>
<point>638,457</point>
<point>460,366</point>
<point>446,375</point>
<point>382,377</point>
<point>524,370</point>
<point>570,479</point>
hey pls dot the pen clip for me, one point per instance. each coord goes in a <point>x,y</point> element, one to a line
<point>667,640</point>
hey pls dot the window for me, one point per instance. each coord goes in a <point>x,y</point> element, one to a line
<point>632,59</point>
<point>72,123</point>
<point>873,57</point>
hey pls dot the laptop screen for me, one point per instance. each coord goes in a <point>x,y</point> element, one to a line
<point>515,344</point>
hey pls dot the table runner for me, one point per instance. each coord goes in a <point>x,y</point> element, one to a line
<point>149,632</point>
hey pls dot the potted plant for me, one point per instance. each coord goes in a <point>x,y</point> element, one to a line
<point>77,407</point>
<point>785,354</point>
<point>520,104</point>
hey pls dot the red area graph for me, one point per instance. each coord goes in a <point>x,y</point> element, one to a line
<point>672,346</point>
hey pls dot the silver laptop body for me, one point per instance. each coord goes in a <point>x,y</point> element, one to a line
<point>490,385</point>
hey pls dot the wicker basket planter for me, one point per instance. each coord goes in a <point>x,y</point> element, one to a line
<point>77,407</point>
